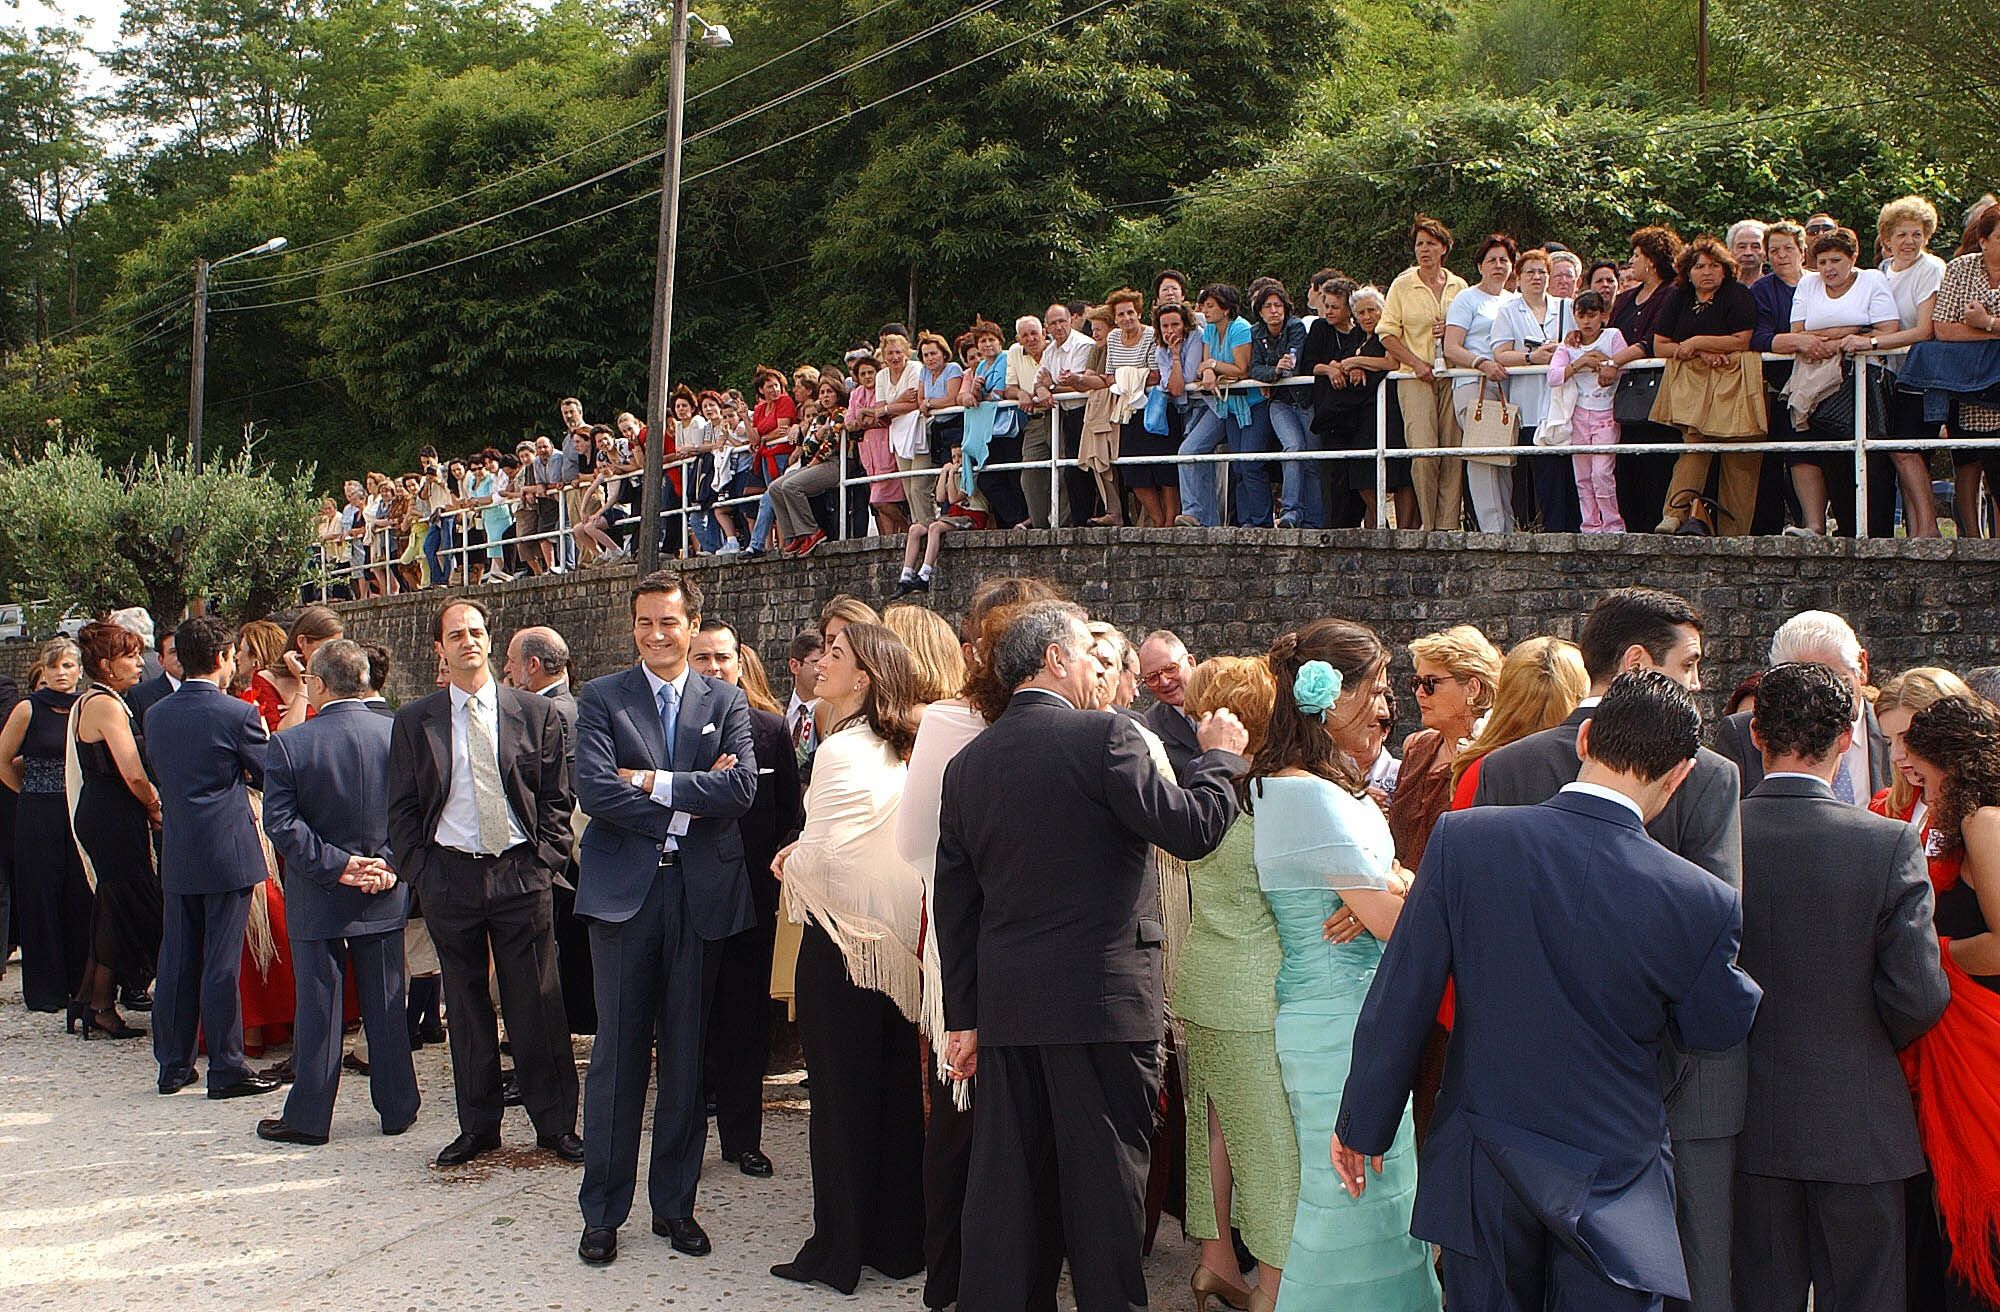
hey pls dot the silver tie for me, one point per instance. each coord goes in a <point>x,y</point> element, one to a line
<point>487,793</point>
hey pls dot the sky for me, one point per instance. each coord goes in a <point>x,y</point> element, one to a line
<point>101,34</point>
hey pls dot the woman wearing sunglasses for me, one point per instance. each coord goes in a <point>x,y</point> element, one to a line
<point>1457,671</point>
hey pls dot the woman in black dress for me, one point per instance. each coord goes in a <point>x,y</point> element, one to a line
<point>51,894</point>
<point>115,809</point>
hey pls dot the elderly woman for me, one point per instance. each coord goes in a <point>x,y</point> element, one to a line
<point>1565,274</point>
<point>1903,231</point>
<point>899,386</point>
<point>1968,310</point>
<point>1242,1152</point>
<point>1837,308</point>
<point>1412,331</point>
<point>859,978</point>
<point>986,378</point>
<point>1456,674</point>
<point>1531,327</point>
<point>1642,479</point>
<point>1471,332</point>
<point>1348,364</point>
<point>1127,344</point>
<point>1713,388</point>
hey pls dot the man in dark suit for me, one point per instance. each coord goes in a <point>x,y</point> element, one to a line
<point>739,1018</point>
<point>325,807</point>
<point>1067,1057</point>
<point>1821,638</point>
<point>1837,930</point>
<point>142,697</point>
<point>206,747</point>
<point>665,767</point>
<point>1628,631</point>
<point>538,662</point>
<point>1164,667</point>
<point>479,809</point>
<point>1568,932</point>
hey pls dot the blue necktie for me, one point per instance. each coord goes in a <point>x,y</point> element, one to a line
<point>670,711</point>
<point>1843,783</point>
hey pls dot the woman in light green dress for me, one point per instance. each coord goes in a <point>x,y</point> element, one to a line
<point>1321,844</point>
<point>1242,1157</point>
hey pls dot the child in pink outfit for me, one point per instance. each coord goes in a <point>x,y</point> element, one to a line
<point>1592,424</point>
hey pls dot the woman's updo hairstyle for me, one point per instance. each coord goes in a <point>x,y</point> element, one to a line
<point>1297,739</point>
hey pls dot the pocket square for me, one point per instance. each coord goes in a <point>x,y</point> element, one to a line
<point>708,728</point>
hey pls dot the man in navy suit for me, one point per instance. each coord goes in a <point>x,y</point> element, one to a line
<point>1576,942</point>
<point>143,697</point>
<point>665,765</point>
<point>208,750</point>
<point>326,792</point>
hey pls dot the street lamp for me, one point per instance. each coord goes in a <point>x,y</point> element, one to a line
<point>198,366</point>
<point>715,37</point>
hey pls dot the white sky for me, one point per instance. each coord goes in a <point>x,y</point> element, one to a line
<point>101,34</point>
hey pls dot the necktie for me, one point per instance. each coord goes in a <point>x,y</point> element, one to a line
<point>488,794</point>
<point>1843,783</point>
<point>670,710</point>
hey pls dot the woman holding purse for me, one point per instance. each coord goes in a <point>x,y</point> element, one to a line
<point>1713,388</point>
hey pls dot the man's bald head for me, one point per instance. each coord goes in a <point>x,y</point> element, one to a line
<point>1164,665</point>
<point>536,658</point>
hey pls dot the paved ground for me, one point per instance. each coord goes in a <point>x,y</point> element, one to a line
<point>118,1198</point>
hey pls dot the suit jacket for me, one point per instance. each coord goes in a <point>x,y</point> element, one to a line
<point>326,798</point>
<point>208,750</point>
<point>1177,732</point>
<point>559,696</point>
<point>1048,927</point>
<point>618,727</point>
<point>1732,740</point>
<point>1837,930</point>
<point>142,697</point>
<point>1701,823</point>
<point>381,707</point>
<point>1569,932</point>
<point>776,813</point>
<point>530,744</point>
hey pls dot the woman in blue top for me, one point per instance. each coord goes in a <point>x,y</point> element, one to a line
<point>1177,357</point>
<point>1321,843</point>
<point>1219,417</point>
<point>485,490</point>
<point>1277,344</point>
<point>939,377</point>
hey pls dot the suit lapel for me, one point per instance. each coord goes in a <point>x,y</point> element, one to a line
<point>437,730</point>
<point>512,724</point>
<point>644,713</point>
<point>696,702</point>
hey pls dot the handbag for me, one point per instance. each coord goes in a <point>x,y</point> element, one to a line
<point>1497,424</point>
<point>1633,403</point>
<point>1155,419</point>
<point>1833,418</point>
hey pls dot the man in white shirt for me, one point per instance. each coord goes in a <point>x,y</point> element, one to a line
<point>479,821</point>
<point>1064,363</point>
<point>1024,367</point>
<point>1820,637</point>
<point>803,660</point>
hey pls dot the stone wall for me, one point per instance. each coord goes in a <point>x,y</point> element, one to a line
<point>1231,591</point>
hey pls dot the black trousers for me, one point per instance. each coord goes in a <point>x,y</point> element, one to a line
<point>1089,1107</point>
<point>1844,1243</point>
<point>738,1046</point>
<point>476,917</point>
<point>867,1124</point>
<point>1704,1212</point>
<point>1002,489</point>
<point>947,1160</point>
<point>1079,486</point>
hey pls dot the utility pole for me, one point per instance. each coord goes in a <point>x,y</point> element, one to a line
<point>198,361</point>
<point>1701,56</point>
<point>658,413</point>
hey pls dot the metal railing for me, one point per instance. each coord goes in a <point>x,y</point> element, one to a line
<point>1860,445</point>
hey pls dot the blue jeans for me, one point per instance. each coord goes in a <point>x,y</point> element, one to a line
<point>1251,479</point>
<point>1301,484</point>
<point>1204,435</point>
<point>767,515</point>
<point>438,542</point>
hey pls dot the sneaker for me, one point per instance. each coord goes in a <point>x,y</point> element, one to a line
<point>1801,531</point>
<point>920,584</point>
<point>960,522</point>
<point>1287,521</point>
<point>731,548</point>
<point>498,576</point>
<point>808,544</point>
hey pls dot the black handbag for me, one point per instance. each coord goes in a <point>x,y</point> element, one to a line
<point>1633,403</point>
<point>1833,418</point>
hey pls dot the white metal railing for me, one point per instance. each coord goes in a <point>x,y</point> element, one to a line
<point>1860,446</point>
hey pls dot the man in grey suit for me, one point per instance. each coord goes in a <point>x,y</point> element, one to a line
<point>1821,638</point>
<point>1837,929</point>
<point>206,746</point>
<point>538,663</point>
<point>1164,667</point>
<point>665,765</point>
<point>1631,630</point>
<point>326,794</point>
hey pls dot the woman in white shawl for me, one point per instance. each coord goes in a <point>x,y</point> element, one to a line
<point>859,982</point>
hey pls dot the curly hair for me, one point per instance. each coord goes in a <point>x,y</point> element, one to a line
<point>1244,685</point>
<point>1703,245</point>
<point>1961,737</point>
<point>1296,740</point>
<point>1661,246</point>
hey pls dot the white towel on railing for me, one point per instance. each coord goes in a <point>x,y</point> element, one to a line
<point>1128,390</point>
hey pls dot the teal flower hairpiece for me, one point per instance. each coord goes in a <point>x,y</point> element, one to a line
<point>1316,688</point>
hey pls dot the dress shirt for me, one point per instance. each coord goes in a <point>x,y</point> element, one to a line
<point>663,780</point>
<point>1055,696</point>
<point>797,710</point>
<point>1856,758</point>
<point>458,822</point>
<point>1384,773</point>
<point>1794,774</point>
<point>1071,355</point>
<point>1608,794</point>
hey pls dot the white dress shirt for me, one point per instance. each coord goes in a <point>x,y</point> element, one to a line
<point>662,791</point>
<point>1070,355</point>
<point>1857,760</point>
<point>1608,794</point>
<point>458,822</point>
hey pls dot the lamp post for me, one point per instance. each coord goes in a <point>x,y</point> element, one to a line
<point>198,359</point>
<point>658,413</point>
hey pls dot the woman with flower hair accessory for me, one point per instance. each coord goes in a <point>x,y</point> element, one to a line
<point>1322,845</point>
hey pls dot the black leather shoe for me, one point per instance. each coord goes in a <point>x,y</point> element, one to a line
<point>566,1146</point>
<point>135,999</point>
<point>175,1083</point>
<point>274,1129</point>
<point>684,1233</point>
<point>466,1147</point>
<point>279,1071</point>
<point>510,1089</point>
<point>751,1162</point>
<point>599,1245</point>
<point>247,1087</point>
<point>394,1130</point>
<point>353,1063</point>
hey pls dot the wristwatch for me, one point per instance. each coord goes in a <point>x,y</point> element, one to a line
<point>1874,344</point>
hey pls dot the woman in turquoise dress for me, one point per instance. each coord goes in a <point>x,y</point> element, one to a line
<point>1321,843</point>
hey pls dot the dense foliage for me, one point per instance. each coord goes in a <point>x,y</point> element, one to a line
<point>960,158</point>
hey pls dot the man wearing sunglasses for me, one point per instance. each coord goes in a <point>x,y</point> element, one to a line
<point>1164,667</point>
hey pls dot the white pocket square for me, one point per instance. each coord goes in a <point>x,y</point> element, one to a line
<point>708,728</point>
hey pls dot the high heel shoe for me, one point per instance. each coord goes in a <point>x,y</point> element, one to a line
<point>1205,1284</point>
<point>79,1013</point>
<point>118,1029</point>
<point>1261,1301</point>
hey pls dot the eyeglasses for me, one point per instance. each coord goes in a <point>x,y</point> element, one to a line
<point>1815,229</point>
<point>1424,685</point>
<point>1159,678</point>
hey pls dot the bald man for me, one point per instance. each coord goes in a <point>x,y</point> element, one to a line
<point>538,663</point>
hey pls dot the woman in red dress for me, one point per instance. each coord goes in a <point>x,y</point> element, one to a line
<point>1952,749</point>
<point>1541,681</point>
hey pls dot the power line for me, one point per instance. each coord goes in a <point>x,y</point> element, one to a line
<point>119,307</point>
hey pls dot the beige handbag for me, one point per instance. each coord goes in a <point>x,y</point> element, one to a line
<point>1497,424</point>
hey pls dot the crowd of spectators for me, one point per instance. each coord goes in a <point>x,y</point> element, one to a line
<point>1126,386</point>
